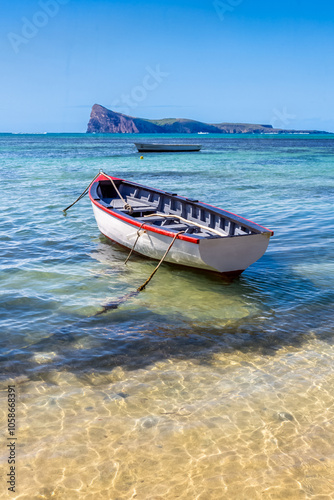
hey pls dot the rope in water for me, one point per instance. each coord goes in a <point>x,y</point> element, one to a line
<point>114,304</point>
<point>161,261</point>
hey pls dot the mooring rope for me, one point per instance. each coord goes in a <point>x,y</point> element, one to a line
<point>161,261</point>
<point>127,206</point>
<point>115,303</point>
<point>82,194</point>
<point>135,243</point>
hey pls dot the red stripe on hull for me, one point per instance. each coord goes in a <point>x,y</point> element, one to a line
<point>133,222</point>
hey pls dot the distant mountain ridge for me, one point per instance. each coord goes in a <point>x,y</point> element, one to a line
<point>106,121</point>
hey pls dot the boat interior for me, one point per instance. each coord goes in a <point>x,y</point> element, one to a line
<point>152,206</point>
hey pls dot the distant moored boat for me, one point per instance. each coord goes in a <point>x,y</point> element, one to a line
<point>166,148</point>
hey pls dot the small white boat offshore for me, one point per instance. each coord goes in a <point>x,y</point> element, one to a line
<point>202,236</point>
<point>166,148</point>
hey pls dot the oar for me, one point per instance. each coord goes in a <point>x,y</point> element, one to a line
<point>192,223</point>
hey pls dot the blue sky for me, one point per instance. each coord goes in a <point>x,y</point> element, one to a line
<point>249,61</point>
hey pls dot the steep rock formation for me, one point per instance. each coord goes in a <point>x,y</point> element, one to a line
<point>105,121</point>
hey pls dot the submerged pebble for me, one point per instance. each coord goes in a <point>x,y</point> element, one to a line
<point>283,415</point>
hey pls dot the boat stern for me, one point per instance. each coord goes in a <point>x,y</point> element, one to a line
<point>233,254</point>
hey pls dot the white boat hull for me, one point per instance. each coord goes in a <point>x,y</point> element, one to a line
<point>224,255</point>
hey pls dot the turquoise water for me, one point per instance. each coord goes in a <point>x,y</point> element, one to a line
<point>197,387</point>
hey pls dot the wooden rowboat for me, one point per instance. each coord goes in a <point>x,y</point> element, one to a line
<point>166,148</point>
<point>210,238</point>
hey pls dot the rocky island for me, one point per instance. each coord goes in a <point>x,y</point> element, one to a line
<point>106,121</point>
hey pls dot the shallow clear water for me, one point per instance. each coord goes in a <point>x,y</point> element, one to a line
<point>196,388</point>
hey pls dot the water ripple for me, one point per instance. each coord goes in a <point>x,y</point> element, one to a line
<point>197,387</point>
